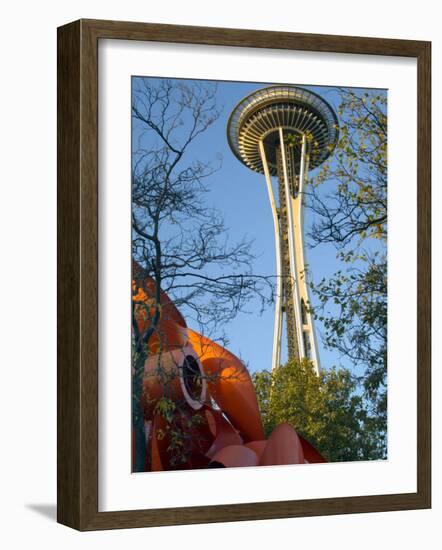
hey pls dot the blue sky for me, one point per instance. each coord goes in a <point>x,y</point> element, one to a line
<point>241,195</point>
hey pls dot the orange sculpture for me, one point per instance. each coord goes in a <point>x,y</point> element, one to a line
<point>213,419</point>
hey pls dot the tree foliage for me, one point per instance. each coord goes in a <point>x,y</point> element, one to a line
<point>326,410</point>
<point>349,200</point>
<point>356,207</point>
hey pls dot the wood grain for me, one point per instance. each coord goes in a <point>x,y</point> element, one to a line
<point>68,277</point>
<point>77,167</point>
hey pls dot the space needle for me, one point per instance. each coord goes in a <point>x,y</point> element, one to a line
<point>285,131</point>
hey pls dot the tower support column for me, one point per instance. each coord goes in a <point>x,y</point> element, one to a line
<point>292,296</point>
<point>277,327</point>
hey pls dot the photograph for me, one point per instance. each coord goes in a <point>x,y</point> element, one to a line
<point>225,217</point>
<point>259,274</point>
<point>221,218</point>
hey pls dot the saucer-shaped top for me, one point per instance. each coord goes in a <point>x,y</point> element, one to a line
<point>296,110</point>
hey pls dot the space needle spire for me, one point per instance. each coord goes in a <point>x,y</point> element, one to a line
<point>285,131</point>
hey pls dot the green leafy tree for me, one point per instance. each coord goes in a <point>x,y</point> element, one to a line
<point>327,410</point>
<point>349,199</point>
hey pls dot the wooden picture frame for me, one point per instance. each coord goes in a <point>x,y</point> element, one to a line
<point>78,274</point>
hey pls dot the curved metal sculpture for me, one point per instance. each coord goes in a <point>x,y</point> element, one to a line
<point>218,410</point>
<point>283,131</point>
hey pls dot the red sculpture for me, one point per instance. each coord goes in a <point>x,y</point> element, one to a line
<point>216,414</point>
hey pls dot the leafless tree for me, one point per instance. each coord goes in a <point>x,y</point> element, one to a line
<point>179,239</point>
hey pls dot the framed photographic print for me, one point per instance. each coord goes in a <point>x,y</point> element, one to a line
<point>244,275</point>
